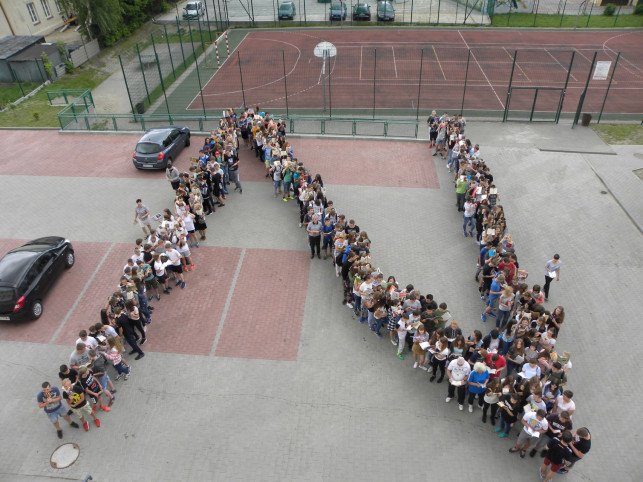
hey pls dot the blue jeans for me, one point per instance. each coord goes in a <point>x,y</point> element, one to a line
<point>505,426</point>
<point>142,303</point>
<point>357,304</point>
<point>371,318</point>
<point>379,322</point>
<point>287,187</point>
<point>467,220</point>
<point>503,318</point>
<point>121,369</point>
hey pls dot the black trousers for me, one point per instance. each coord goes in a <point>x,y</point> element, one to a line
<point>315,243</point>
<point>462,390</point>
<point>438,364</point>
<point>548,281</point>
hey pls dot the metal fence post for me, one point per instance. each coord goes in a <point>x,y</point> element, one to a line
<point>581,101</point>
<point>13,74</point>
<point>562,99</point>
<point>178,29</point>
<point>305,16</point>
<point>439,5</point>
<point>466,77</point>
<point>590,14</point>
<point>536,14</point>
<point>608,88</point>
<point>129,96</point>
<point>562,16</point>
<point>618,12</point>
<point>140,62</point>
<point>243,92</point>
<point>417,110</point>
<point>411,22</point>
<point>374,74</point>
<point>42,76</point>
<point>207,16</point>
<point>283,60</point>
<point>513,66</point>
<point>169,51</point>
<point>158,64</point>
<point>196,63</point>
<point>330,95</point>
<point>274,12</point>
<point>198,21</point>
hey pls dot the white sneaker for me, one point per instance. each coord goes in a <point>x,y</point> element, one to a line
<point>393,342</point>
<point>461,407</point>
<point>470,408</point>
<point>415,365</point>
<point>350,305</point>
<point>425,368</point>
<point>300,225</point>
<point>448,399</point>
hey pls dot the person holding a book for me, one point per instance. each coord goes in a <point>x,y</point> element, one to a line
<point>552,272</point>
<point>534,425</point>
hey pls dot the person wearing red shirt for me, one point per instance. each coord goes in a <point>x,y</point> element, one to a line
<point>495,362</point>
<point>507,263</point>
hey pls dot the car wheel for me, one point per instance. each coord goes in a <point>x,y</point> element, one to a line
<point>69,259</point>
<point>36,310</point>
<point>187,141</point>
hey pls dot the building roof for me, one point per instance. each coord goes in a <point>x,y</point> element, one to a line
<point>13,44</point>
<point>35,51</point>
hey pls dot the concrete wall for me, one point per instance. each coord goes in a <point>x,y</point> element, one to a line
<point>14,14</point>
<point>84,53</point>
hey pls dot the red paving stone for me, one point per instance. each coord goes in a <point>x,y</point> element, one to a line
<point>61,297</point>
<point>259,324</point>
<point>355,162</point>
<point>185,321</point>
<point>48,153</point>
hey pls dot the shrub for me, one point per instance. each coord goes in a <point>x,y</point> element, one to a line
<point>638,10</point>
<point>610,10</point>
<point>69,67</point>
<point>49,67</point>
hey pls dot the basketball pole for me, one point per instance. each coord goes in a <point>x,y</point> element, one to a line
<point>325,53</point>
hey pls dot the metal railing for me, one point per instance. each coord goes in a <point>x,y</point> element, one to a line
<point>80,118</point>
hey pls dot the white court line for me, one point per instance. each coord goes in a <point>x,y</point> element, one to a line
<point>624,59</point>
<point>570,74</point>
<point>394,62</point>
<point>483,72</point>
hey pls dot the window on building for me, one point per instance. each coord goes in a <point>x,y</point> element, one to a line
<point>32,12</point>
<point>45,8</point>
<point>58,6</point>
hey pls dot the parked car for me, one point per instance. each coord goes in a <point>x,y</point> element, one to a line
<point>193,10</point>
<point>287,11</point>
<point>385,11</point>
<point>338,11</point>
<point>361,11</point>
<point>159,146</point>
<point>27,273</point>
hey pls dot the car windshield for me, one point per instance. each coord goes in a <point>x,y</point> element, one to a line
<point>147,148</point>
<point>336,6</point>
<point>191,6</point>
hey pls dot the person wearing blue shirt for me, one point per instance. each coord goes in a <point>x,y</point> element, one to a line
<point>483,256</point>
<point>328,230</point>
<point>49,399</point>
<point>494,293</point>
<point>478,380</point>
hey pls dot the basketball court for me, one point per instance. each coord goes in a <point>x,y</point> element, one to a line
<point>428,69</point>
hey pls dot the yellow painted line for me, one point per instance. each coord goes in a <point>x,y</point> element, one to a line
<point>438,59</point>
<point>517,64</point>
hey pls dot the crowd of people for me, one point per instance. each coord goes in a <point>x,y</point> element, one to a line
<point>516,371</point>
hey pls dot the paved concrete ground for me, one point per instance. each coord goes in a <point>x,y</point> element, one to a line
<point>214,399</point>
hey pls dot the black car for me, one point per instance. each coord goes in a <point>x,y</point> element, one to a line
<point>159,146</point>
<point>27,273</point>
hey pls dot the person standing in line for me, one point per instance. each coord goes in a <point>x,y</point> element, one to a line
<point>581,444</point>
<point>552,271</point>
<point>142,216</point>
<point>49,399</point>
<point>458,372</point>
<point>232,160</point>
<point>75,396</point>
<point>172,175</point>
<point>314,229</point>
<point>558,450</point>
<point>469,216</point>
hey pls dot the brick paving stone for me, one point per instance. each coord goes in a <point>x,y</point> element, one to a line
<point>60,298</point>
<point>267,307</point>
<point>184,321</point>
<point>78,155</point>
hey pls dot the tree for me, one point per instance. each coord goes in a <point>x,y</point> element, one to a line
<point>98,18</point>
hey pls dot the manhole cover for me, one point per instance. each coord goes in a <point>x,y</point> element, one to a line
<point>64,456</point>
<point>639,173</point>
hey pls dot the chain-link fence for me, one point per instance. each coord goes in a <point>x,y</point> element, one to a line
<point>518,13</point>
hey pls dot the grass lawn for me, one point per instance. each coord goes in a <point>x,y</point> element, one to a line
<point>620,133</point>
<point>11,92</point>
<point>36,112</point>
<point>595,21</point>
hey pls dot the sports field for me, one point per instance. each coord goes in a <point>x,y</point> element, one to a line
<point>443,69</point>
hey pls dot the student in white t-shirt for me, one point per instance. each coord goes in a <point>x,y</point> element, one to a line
<point>564,403</point>
<point>401,334</point>
<point>534,425</point>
